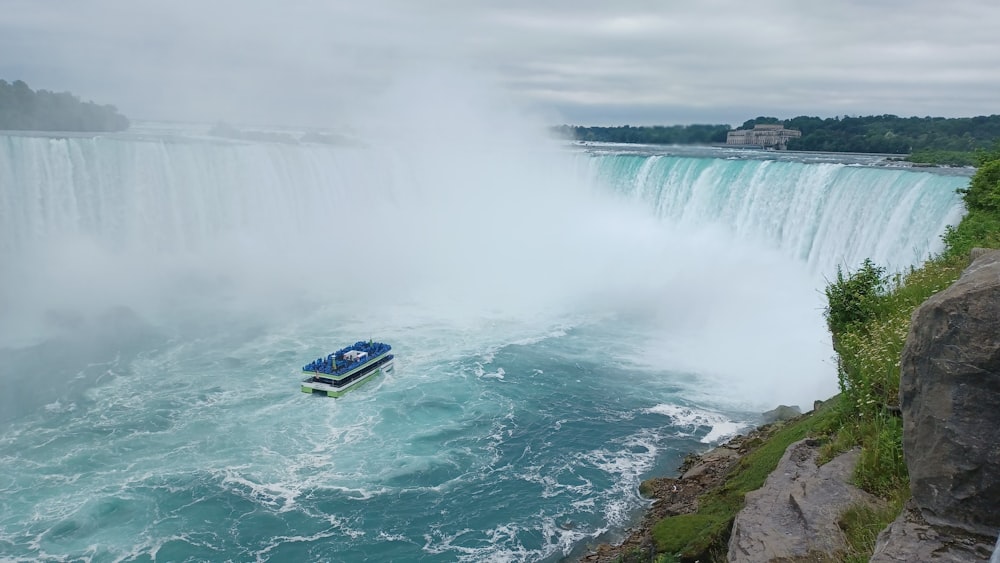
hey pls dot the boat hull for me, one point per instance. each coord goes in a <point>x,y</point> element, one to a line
<point>311,385</point>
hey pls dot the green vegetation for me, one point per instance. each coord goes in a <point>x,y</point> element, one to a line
<point>890,134</point>
<point>637,555</point>
<point>705,534</point>
<point>942,158</point>
<point>927,140</point>
<point>981,225</point>
<point>869,317</point>
<point>868,350</point>
<point>862,524</point>
<point>655,135</point>
<point>23,109</point>
<point>855,298</point>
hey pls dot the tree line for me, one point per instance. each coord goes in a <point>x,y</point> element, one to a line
<point>890,133</point>
<point>24,109</point>
<point>929,138</point>
<point>654,135</point>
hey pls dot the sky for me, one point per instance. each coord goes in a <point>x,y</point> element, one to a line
<point>584,62</point>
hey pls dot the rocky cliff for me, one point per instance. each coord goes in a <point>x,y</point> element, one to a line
<point>793,517</point>
<point>950,399</point>
<point>950,405</point>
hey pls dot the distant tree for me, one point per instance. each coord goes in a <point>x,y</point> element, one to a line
<point>654,135</point>
<point>943,140</point>
<point>748,124</point>
<point>896,135</point>
<point>24,109</point>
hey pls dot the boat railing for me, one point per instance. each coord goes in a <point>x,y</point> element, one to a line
<point>330,365</point>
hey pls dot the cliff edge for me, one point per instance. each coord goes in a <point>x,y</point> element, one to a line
<point>794,515</point>
<point>949,395</point>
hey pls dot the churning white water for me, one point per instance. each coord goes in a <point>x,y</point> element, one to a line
<point>566,322</point>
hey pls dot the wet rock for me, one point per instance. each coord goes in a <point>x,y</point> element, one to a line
<point>710,462</point>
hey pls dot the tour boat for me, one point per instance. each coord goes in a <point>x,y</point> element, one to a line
<point>347,368</point>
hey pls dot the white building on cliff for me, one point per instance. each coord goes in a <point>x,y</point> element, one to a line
<point>766,136</point>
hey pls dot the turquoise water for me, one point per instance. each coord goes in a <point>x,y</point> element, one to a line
<point>206,450</point>
<point>566,323</point>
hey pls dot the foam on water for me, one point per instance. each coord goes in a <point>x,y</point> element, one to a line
<point>691,420</point>
<point>557,320</point>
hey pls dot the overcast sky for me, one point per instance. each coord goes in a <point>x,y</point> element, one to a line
<point>586,62</point>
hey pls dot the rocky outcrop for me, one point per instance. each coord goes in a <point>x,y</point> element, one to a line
<point>782,412</point>
<point>977,252</point>
<point>910,538</point>
<point>794,515</point>
<point>949,394</point>
<point>950,397</point>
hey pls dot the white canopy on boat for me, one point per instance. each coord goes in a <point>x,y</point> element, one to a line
<point>355,355</point>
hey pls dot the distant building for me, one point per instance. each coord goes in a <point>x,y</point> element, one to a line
<point>767,136</point>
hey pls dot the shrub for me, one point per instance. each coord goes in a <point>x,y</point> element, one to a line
<point>983,193</point>
<point>978,228</point>
<point>854,298</point>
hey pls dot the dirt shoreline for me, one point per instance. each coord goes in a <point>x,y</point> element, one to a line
<point>673,496</point>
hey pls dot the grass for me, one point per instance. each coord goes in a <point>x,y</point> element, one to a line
<point>699,535</point>
<point>861,525</point>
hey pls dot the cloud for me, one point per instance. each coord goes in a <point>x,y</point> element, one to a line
<point>315,62</point>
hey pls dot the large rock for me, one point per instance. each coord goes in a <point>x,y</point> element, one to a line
<point>910,538</point>
<point>950,399</point>
<point>794,515</point>
<point>781,412</point>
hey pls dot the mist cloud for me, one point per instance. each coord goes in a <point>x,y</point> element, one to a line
<point>319,63</point>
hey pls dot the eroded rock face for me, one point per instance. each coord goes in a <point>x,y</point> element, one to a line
<point>950,400</point>
<point>782,412</point>
<point>794,515</point>
<point>910,538</point>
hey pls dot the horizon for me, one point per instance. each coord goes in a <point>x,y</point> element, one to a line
<point>563,124</point>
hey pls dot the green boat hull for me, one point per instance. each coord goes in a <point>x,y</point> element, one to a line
<point>330,391</point>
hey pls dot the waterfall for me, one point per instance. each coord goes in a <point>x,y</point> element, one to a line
<point>115,220</point>
<point>825,215</point>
